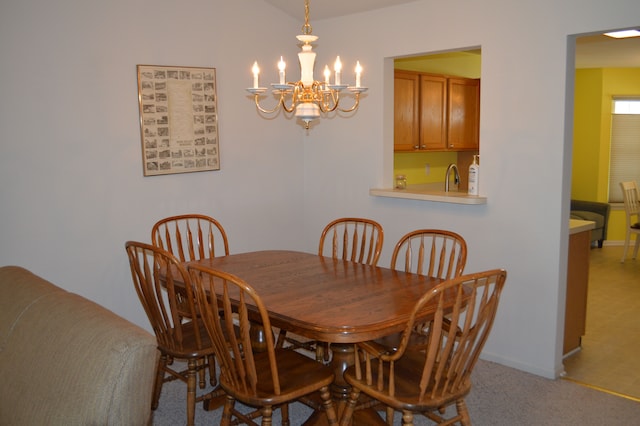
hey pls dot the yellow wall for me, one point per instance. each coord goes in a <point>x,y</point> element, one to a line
<point>413,165</point>
<point>462,64</point>
<point>594,91</point>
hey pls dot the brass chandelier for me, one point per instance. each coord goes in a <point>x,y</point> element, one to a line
<point>308,97</point>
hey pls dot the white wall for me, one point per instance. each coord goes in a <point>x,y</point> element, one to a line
<point>72,189</point>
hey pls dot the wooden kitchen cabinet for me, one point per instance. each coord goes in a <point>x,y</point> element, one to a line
<point>463,114</point>
<point>435,112</point>
<point>406,104</point>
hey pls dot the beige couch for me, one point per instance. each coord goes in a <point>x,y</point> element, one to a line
<point>65,360</point>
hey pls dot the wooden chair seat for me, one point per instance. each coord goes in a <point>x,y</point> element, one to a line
<point>295,377</point>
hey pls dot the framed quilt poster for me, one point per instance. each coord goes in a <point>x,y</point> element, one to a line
<point>178,119</point>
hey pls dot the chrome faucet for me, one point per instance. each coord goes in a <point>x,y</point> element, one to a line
<point>456,176</point>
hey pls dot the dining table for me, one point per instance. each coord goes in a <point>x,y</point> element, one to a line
<point>329,300</point>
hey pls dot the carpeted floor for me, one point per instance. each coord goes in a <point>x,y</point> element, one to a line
<point>500,396</point>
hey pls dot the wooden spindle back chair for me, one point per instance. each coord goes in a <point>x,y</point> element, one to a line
<point>190,237</point>
<point>431,252</point>
<point>354,239</point>
<point>156,274</point>
<point>268,379</point>
<point>631,198</point>
<point>427,381</point>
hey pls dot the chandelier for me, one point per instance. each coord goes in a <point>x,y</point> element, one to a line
<point>308,97</point>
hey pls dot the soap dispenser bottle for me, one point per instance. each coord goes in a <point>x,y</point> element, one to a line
<point>474,176</point>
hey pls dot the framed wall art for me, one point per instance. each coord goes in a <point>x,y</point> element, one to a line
<point>178,119</point>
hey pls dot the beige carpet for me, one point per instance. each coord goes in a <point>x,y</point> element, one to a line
<point>501,396</point>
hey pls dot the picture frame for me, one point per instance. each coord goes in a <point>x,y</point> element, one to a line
<point>178,119</point>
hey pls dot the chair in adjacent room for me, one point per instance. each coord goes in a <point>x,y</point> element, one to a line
<point>173,315</point>
<point>428,381</point>
<point>268,379</point>
<point>353,239</point>
<point>631,195</point>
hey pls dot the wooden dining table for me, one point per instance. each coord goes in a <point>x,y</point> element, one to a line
<point>329,300</point>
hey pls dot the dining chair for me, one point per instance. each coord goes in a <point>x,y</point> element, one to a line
<point>190,237</point>
<point>179,332</point>
<point>268,379</point>
<point>435,253</point>
<point>430,380</point>
<point>353,239</point>
<point>431,252</point>
<point>630,196</point>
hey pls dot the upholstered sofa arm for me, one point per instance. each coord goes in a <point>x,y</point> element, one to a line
<point>66,360</point>
<point>602,209</point>
<point>591,206</point>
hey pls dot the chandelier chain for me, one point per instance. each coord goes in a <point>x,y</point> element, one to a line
<point>306,28</point>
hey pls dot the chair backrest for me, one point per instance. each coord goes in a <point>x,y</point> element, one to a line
<point>631,202</point>
<point>355,239</point>
<point>431,252</point>
<point>164,289</point>
<point>232,342</point>
<point>190,237</point>
<point>455,339</point>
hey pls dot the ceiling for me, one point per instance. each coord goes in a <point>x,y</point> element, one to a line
<point>593,51</point>
<point>322,9</point>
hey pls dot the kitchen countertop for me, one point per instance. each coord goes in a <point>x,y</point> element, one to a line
<point>429,192</point>
<point>576,226</point>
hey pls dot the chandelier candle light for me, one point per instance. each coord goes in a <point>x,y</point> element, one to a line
<point>308,97</point>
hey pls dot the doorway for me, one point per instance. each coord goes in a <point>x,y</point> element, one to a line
<point>604,361</point>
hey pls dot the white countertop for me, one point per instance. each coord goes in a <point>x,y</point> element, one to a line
<point>576,225</point>
<point>429,192</point>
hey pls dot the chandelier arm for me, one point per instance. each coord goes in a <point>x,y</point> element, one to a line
<point>281,102</point>
<point>329,103</point>
<point>355,105</point>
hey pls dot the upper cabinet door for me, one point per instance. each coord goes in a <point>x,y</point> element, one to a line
<point>406,128</point>
<point>433,110</point>
<point>464,114</point>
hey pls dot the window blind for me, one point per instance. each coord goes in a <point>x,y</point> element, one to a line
<point>625,153</point>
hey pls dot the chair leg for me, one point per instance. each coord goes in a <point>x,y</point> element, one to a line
<point>328,405</point>
<point>284,412</point>
<point>267,412</point>
<point>282,336</point>
<point>213,380</point>
<point>347,413</point>
<point>191,391</point>
<point>461,406</point>
<point>635,250</point>
<point>407,418</point>
<point>390,415</point>
<point>157,385</point>
<point>626,246</point>
<point>226,411</point>
<point>202,372</point>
